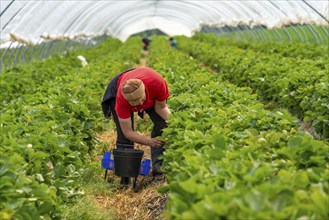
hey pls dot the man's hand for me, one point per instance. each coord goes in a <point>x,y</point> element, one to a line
<point>155,143</point>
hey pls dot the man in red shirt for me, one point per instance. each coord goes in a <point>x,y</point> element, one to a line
<point>138,90</point>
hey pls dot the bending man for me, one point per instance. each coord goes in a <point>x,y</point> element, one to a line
<point>138,90</point>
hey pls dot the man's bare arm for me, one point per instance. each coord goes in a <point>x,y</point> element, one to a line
<point>134,136</point>
<point>162,109</point>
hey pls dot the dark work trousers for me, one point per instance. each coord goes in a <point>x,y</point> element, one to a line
<point>159,124</point>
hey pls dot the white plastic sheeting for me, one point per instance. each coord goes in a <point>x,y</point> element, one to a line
<point>33,21</point>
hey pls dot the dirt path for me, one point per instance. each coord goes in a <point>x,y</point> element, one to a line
<point>147,203</point>
<point>143,59</point>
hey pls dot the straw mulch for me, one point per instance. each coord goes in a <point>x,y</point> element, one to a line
<point>146,204</point>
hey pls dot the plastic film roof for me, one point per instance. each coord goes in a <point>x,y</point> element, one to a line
<point>34,21</point>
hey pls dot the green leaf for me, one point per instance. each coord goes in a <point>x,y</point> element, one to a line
<point>301,179</point>
<point>321,202</point>
<point>163,189</point>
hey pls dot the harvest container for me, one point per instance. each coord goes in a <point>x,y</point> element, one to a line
<point>127,162</point>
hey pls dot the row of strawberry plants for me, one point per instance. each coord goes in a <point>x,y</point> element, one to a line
<point>300,85</point>
<point>284,49</point>
<point>227,157</point>
<point>24,79</point>
<point>48,133</point>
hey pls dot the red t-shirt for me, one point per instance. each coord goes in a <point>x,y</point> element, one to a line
<point>155,89</point>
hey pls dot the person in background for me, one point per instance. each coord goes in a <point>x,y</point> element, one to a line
<point>146,42</point>
<point>138,90</point>
<point>173,42</point>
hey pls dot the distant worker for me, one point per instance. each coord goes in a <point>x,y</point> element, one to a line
<point>146,42</point>
<point>138,90</point>
<point>173,42</point>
